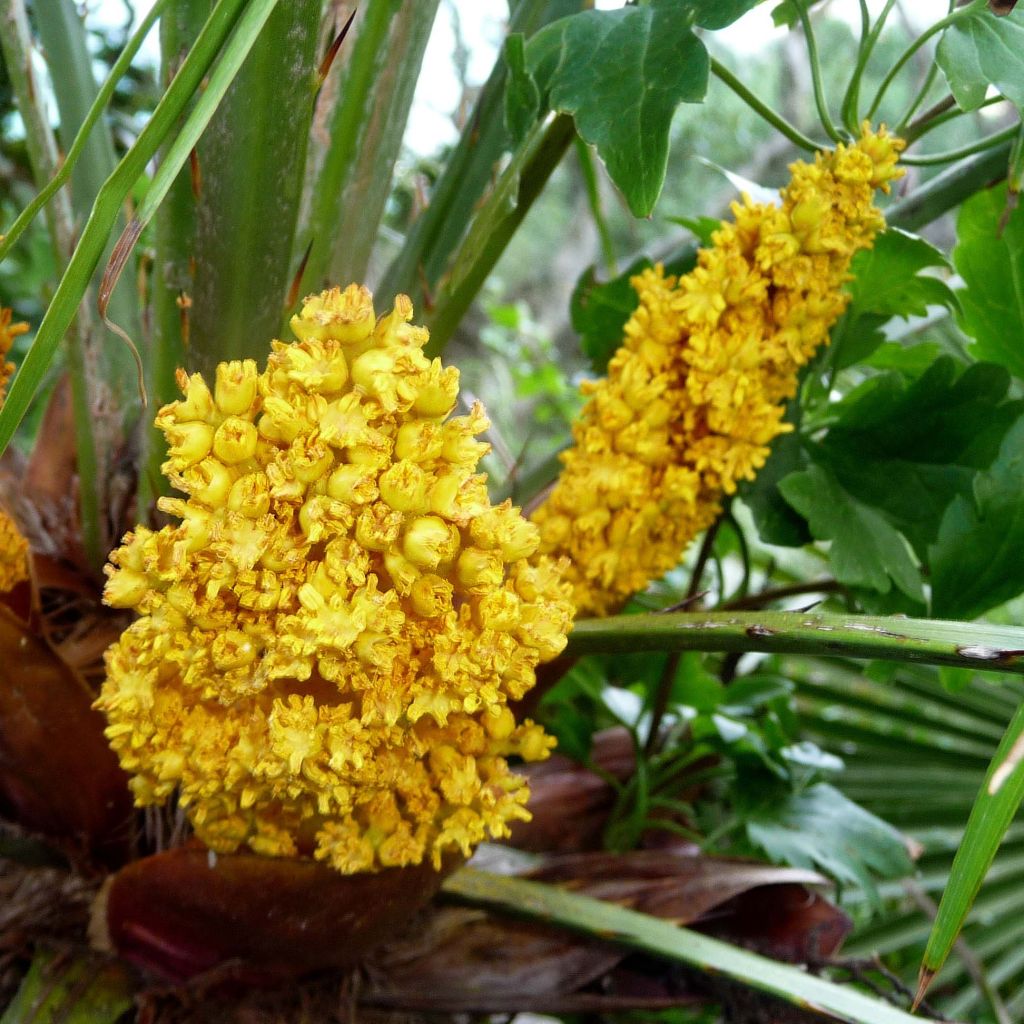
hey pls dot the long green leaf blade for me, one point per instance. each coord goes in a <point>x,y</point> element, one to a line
<point>368,106</point>
<point>993,810</point>
<point>177,155</point>
<point>661,938</point>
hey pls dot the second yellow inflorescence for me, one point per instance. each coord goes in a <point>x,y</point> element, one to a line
<point>699,388</point>
<point>330,638</point>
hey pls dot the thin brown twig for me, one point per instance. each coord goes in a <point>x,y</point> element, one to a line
<point>752,602</point>
<point>932,112</point>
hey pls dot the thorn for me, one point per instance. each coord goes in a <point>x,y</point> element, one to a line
<point>195,172</point>
<point>807,607</point>
<point>293,291</point>
<point>332,51</point>
<point>924,979</point>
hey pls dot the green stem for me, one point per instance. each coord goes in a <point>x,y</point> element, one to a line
<point>586,162</point>
<point>939,26</point>
<point>943,112</point>
<point>62,33</point>
<point>816,80</point>
<point>494,226</point>
<point>371,95</point>
<point>929,641</point>
<point>105,212</point>
<point>929,80</point>
<point>610,923</point>
<point>948,189</point>
<point>172,269</point>
<point>253,167</point>
<point>468,173</point>
<point>775,119</point>
<point>851,99</point>
<point>949,156</point>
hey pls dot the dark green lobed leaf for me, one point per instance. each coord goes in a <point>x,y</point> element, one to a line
<point>975,561</point>
<point>887,282</point>
<point>980,50</point>
<point>866,550</point>
<point>989,256</point>
<point>821,828</point>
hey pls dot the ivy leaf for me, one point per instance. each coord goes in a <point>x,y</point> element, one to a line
<point>621,74</point>
<point>981,49</point>
<point>991,262</point>
<point>600,311</point>
<point>716,14</point>
<point>866,550</point>
<point>908,448</point>
<point>821,828</point>
<point>975,563</point>
<point>887,282</point>
<point>788,12</point>
<point>776,521</point>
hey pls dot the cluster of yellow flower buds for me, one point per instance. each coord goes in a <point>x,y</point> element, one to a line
<point>698,389</point>
<point>330,637</point>
<point>13,546</point>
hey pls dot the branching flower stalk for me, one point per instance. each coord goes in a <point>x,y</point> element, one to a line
<point>698,390</point>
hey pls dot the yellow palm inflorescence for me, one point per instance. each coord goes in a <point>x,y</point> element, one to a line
<point>698,389</point>
<point>13,546</point>
<point>329,639</point>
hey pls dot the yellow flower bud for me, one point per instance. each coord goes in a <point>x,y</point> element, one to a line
<point>501,724</point>
<point>404,487</point>
<point>189,442</point>
<point>235,388</point>
<point>476,568</point>
<point>209,482</point>
<point>431,596</point>
<point>356,484</point>
<point>126,588</point>
<point>377,527</point>
<point>428,541</point>
<point>402,572</point>
<point>250,495</point>
<point>310,462</point>
<point>198,402</point>
<point>235,441</point>
<point>438,392</point>
<point>419,440</point>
